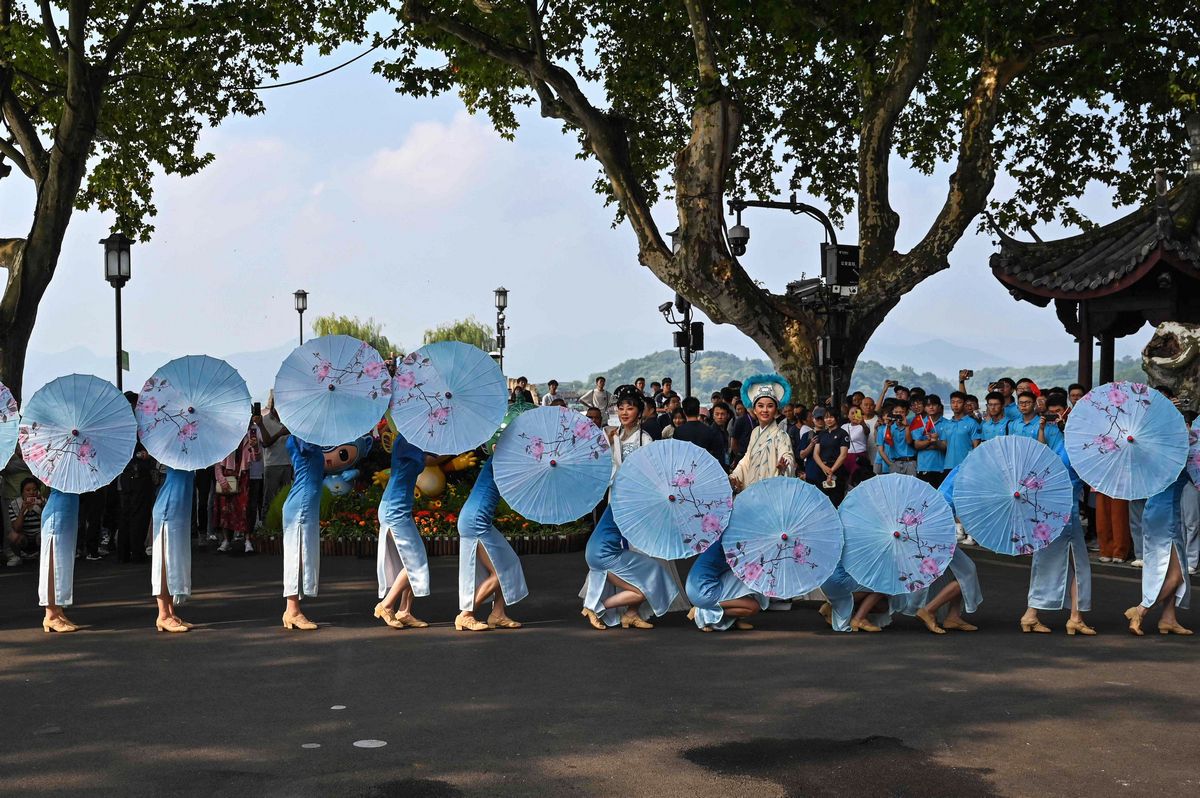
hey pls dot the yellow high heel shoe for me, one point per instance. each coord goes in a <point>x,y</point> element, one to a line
<point>469,623</point>
<point>171,624</point>
<point>298,621</point>
<point>387,616</point>
<point>930,622</point>
<point>1173,629</point>
<point>594,619</point>
<point>408,619</point>
<point>864,626</point>
<point>745,626</point>
<point>633,619</point>
<point>502,622</point>
<point>959,625</point>
<point>1034,626</point>
<point>59,625</point>
<point>1135,621</point>
<point>1080,627</point>
<point>826,611</point>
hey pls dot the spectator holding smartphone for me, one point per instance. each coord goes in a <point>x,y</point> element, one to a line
<point>25,522</point>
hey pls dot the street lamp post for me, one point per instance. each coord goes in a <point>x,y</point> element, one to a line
<point>689,338</point>
<point>301,298</point>
<point>501,306</point>
<point>829,294</point>
<point>116,272</point>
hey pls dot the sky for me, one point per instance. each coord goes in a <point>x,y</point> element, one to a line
<point>412,211</point>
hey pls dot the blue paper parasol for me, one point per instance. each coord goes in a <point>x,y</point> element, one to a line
<point>1193,461</point>
<point>448,397</point>
<point>899,534</point>
<point>77,433</point>
<point>1013,495</point>
<point>552,465</point>
<point>332,390</point>
<point>671,499</point>
<point>1126,440</point>
<point>10,421</point>
<point>784,537</point>
<point>193,412</point>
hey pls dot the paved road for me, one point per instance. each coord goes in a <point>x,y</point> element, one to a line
<point>238,706</point>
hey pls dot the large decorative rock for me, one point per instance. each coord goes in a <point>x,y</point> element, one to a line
<point>1172,358</point>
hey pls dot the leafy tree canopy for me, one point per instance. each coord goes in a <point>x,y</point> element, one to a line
<point>367,330</point>
<point>468,331</point>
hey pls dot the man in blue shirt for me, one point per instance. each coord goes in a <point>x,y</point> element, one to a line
<point>904,457</point>
<point>1056,415</point>
<point>884,451</point>
<point>1030,424</point>
<point>928,435</point>
<point>962,432</point>
<point>995,423</point>
<point>1007,387</point>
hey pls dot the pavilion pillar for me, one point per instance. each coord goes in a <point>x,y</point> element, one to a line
<point>1107,357</point>
<point>1086,346</point>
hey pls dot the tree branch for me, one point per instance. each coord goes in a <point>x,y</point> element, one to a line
<point>9,150</point>
<point>706,59</point>
<point>878,223</point>
<point>23,131</point>
<point>118,42</point>
<point>52,37</point>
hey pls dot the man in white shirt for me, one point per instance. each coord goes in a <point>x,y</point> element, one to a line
<point>597,398</point>
<point>551,393</point>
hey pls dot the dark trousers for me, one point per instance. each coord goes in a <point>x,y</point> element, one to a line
<point>253,504</point>
<point>91,517</point>
<point>932,477</point>
<point>203,487</point>
<point>137,505</point>
<point>837,492</point>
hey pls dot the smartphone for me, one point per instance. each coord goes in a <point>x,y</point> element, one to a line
<point>968,373</point>
<point>256,409</point>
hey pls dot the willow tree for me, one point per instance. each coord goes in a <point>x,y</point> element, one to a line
<point>691,101</point>
<point>97,96</point>
<point>367,330</point>
<point>468,331</point>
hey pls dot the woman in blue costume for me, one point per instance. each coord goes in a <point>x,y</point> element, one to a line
<point>1163,579</point>
<point>956,590</point>
<point>842,591</point>
<point>623,586</point>
<point>719,599</point>
<point>302,530</point>
<point>56,565</point>
<point>171,564</point>
<point>1062,570</point>
<point>487,565</point>
<point>401,565</point>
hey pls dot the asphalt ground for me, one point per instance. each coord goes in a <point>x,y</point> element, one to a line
<point>239,706</point>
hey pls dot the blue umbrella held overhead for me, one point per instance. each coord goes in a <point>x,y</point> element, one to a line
<point>448,397</point>
<point>332,390</point>
<point>1013,495</point>
<point>552,465</point>
<point>784,537</point>
<point>671,499</point>
<point>193,412</point>
<point>1126,440</point>
<point>77,433</point>
<point>899,534</point>
<point>10,421</point>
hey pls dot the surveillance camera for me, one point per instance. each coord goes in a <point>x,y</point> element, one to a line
<point>665,307</point>
<point>739,236</point>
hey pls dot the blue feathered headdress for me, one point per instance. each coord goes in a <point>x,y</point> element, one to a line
<point>760,385</point>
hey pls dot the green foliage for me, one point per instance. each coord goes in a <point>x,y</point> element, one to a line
<point>159,73</point>
<point>1061,375</point>
<point>1097,95</point>
<point>869,376</point>
<point>273,520</point>
<point>711,371</point>
<point>468,331</point>
<point>367,330</point>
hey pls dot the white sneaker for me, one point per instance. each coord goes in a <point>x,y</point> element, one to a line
<point>1138,564</point>
<point>969,541</point>
<point>14,561</point>
<point>959,532</point>
<point>1106,559</point>
<point>224,546</point>
<point>149,551</point>
<point>1192,570</point>
<point>249,548</point>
